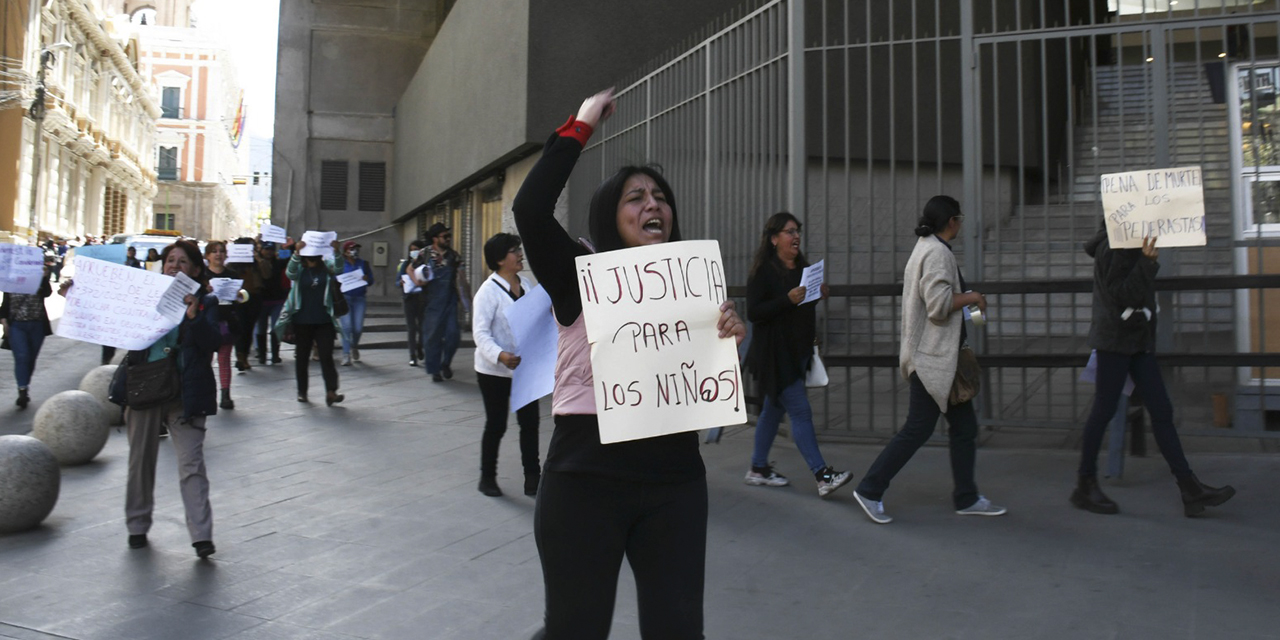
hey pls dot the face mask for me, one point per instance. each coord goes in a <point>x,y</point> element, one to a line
<point>355,253</point>
<point>413,255</point>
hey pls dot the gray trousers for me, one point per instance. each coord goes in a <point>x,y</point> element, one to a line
<point>144,444</point>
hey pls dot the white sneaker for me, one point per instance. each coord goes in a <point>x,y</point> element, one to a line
<point>346,360</point>
<point>982,507</point>
<point>829,480</point>
<point>874,509</point>
<point>765,476</point>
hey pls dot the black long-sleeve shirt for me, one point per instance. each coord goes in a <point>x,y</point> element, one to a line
<point>575,443</point>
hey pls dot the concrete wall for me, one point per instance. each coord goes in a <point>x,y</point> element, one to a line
<point>341,69</point>
<point>464,111</point>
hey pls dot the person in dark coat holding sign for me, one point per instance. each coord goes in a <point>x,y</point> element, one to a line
<point>1124,333</point>
<point>26,324</point>
<point>192,343</point>
<point>782,339</point>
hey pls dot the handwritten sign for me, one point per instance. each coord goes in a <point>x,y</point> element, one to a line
<point>811,279</point>
<point>658,364</point>
<point>352,280</point>
<point>226,289</point>
<point>239,253</point>
<point>272,233</point>
<point>1166,204</point>
<point>319,243</point>
<point>21,268</point>
<point>537,342</point>
<point>114,305</point>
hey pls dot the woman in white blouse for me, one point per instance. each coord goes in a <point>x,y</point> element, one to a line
<point>496,358</point>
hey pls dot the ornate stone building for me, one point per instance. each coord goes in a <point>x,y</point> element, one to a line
<point>93,171</point>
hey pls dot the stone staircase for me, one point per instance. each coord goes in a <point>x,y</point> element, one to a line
<point>384,327</point>
<point>1043,241</point>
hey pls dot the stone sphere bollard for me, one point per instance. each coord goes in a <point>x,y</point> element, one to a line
<point>29,482</point>
<point>73,425</point>
<point>97,382</point>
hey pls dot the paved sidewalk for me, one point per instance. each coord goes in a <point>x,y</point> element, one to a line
<point>363,521</point>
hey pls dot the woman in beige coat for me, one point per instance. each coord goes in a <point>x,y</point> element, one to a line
<point>933,332</point>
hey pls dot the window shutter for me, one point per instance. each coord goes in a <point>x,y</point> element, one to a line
<point>333,185</point>
<point>373,186</point>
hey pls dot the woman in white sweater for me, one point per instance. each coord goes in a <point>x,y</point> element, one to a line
<point>933,332</point>
<point>496,358</point>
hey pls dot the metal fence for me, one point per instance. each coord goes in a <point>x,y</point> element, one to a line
<point>853,113</point>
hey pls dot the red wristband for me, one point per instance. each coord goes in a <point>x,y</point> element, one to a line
<point>579,131</point>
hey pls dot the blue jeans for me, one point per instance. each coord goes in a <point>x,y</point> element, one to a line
<point>441,334</point>
<point>794,402</point>
<point>353,323</point>
<point>922,419</point>
<point>25,338</point>
<point>1145,371</point>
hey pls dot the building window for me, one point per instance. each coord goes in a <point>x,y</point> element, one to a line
<point>163,222</point>
<point>373,186</point>
<point>170,99</point>
<point>167,166</point>
<point>333,185</point>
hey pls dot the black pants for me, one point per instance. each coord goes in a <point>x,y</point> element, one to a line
<point>247,314</point>
<point>585,524</point>
<point>922,419</point>
<point>1113,368</point>
<point>413,305</point>
<point>496,392</point>
<point>267,316</point>
<point>321,336</point>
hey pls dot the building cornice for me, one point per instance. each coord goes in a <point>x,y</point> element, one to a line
<point>108,46</point>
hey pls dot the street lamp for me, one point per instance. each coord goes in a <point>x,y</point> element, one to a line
<point>37,115</point>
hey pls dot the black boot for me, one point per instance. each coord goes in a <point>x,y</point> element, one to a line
<point>23,398</point>
<point>531,481</point>
<point>1089,496</point>
<point>489,486</point>
<point>227,402</point>
<point>1196,496</point>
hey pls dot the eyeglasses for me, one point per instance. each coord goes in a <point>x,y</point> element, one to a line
<point>795,233</point>
<point>517,250</point>
<point>959,218</point>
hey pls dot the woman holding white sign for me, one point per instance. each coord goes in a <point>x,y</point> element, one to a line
<point>26,323</point>
<point>645,500</point>
<point>215,253</point>
<point>308,318</point>
<point>782,340</point>
<point>190,345</point>
<point>496,359</point>
<point>1124,334</point>
<point>933,335</point>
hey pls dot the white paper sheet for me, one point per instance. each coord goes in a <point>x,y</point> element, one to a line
<point>812,280</point>
<point>351,280</point>
<point>114,305</point>
<point>226,289</point>
<point>657,361</point>
<point>272,233</point>
<point>21,268</point>
<point>319,243</point>
<point>1166,204</point>
<point>406,283</point>
<point>171,304</point>
<point>239,253</point>
<point>534,328</point>
<point>424,273</point>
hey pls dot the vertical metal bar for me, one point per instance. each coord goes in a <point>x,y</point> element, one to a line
<point>796,189</point>
<point>1160,95</point>
<point>972,150</point>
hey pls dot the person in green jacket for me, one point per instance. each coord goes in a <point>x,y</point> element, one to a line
<point>308,318</point>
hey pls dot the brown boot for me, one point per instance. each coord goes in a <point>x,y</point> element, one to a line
<point>1089,496</point>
